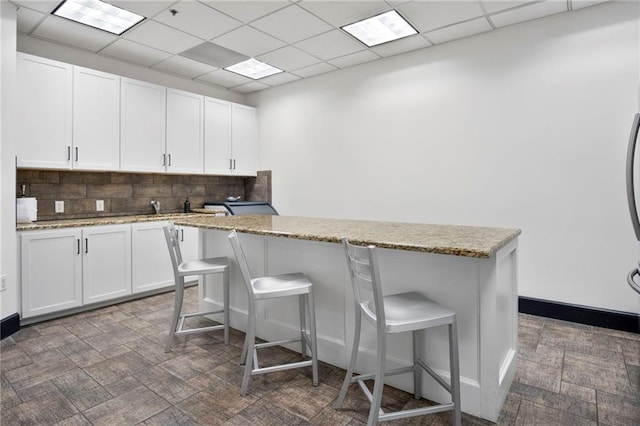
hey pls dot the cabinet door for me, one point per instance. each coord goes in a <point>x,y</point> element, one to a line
<point>151,264</point>
<point>244,140</point>
<point>185,149</point>
<point>44,100</point>
<point>217,137</point>
<point>106,262</point>
<point>142,126</point>
<point>51,271</point>
<point>96,120</point>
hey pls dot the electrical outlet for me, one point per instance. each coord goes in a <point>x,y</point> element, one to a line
<point>99,205</point>
<point>59,206</point>
<point>3,283</point>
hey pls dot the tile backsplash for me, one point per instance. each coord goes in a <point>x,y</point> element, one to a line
<point>131,193</point>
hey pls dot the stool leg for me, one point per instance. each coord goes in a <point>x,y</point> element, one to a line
<point>352,360</point>
<point>378,386</point>
<point>303,327</point>
<point>418,347</point>
<point>314,339</point>
<point>177,309</point>
<point>249,344</point>
<point>225,278</point>
<point>455,372</point>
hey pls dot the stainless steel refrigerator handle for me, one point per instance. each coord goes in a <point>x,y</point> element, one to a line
<point>631,193</point>
<point>631,282</point>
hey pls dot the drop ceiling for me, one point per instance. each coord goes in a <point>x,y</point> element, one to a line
<point>303,38</point>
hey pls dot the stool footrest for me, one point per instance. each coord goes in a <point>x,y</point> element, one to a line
<point>289,366</point>
<point>401,370</point>
<point>278,343</point>
<point>415,412</point>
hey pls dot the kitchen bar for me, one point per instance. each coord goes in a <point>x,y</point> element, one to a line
<point>472,270</point>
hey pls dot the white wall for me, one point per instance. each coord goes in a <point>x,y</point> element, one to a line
<point>8,255</point>
<point>525,127</point>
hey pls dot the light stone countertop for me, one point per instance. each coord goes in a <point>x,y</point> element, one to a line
<point>96,221</point>
<point>468,241</point>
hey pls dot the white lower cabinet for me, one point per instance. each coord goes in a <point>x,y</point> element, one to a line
<point>69,268</point>
<point>51,270</point>
<point>150,257</point>
<point>106,262</point>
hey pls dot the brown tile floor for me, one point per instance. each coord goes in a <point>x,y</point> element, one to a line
<point>108,367</point>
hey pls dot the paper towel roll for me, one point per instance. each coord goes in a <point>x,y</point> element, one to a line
<point>26,210</point>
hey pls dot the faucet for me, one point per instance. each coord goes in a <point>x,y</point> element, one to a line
<point>156,206</point>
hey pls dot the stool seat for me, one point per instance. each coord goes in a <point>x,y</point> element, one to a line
<point>280,285</point>
<point>409,311</point>
<point>182,269</point>
<point>269,287</point>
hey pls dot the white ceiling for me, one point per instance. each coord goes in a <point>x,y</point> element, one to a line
<point>301,37</point>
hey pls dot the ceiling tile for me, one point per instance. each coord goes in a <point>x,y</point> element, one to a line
<point>184,66</point>
<point>280,78</point>
<point>73,34</point>
<point>529,12</point>
<point>197,19</point>
<point>457,31</point>
<point>291,24</point>
<point>247,11</point>
<point>254,86</point>
<point>134,52</point>
<point>341,13</point>
<point>248,41</point>
<point>27,19</point>
<point>579,4</point>
<point>331,45</point>
<point>493,6</point>
<point>159,36</point>
<point>403,45</point>
<point>288,58</point>
<point>315,70</point>
<point>224,78</point>
<point>429,15</point>
<point>146,8</point>
<point>44,6</point>
<point>354,59</point>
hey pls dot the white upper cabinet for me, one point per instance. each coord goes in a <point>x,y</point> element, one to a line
<point>244,140</point>
<point>217,137</point>
<point>142,127</point>
<point>44,111</point>
<point>96,120</point>
<point>185,115</point>
<point>231,138</point>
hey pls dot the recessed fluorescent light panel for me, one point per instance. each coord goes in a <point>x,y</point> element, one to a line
<point>253,69</point>
<point>380,29</point>
<point>98,14</point>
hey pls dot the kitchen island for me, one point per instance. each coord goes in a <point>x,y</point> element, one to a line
<point>472,270</point>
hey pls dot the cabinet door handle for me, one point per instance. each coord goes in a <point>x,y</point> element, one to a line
<point>68,152</point>
<point>86,245</point>
<point>234,164</point>
<point>164,159</point>
<point>76,154</point>
<point>169,160</point>
<point>230,164</point>
<point>182,232</point>
<point>78,246</point>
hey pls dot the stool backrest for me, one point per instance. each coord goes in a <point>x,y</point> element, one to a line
<point>171,235</point>
<point>365,278</point>
<point>241,259</point>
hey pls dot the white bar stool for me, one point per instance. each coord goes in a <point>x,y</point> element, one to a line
<point>181,269</point>
<point>262,288</point>
<point>396,313</point>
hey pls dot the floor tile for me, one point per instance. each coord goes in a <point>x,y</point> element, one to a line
<point>127,409</point>
<point>118,367</point>
<point>202,408</point>
<point>51,407</point>
<point>81,389</point>
<point>616,410</point>
<point>165,384</point>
